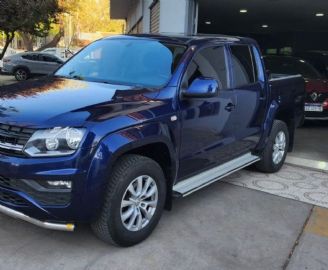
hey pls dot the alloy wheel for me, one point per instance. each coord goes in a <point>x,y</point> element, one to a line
<point>139,203</point>
<point>21,75</point>
<point>279,148</point>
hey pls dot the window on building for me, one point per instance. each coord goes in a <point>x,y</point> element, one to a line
<point>209,63</point>
<point>154,16</point>
<point>243,67</point>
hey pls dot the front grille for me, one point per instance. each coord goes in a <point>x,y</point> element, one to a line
<point>11,198</point>
<point>44,197</point>
<point>316,97</point>
<point>13,139</point>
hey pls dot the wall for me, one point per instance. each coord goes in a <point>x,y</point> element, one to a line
<point>139,9</point>
<point>174,16</point>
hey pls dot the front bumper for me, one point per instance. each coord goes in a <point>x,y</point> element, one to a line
<point>85,199</point>
<point>6,68</point>
<point>317,115</point>
<point>47,225</point>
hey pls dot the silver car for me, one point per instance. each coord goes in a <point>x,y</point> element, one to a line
<point>25,65</point>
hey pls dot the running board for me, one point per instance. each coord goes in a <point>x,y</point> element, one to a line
<point>192,184</point>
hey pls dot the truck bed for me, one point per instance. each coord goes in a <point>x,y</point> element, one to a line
<point>289,92</point>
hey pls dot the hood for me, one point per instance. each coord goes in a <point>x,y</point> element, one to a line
<point>53,101</point>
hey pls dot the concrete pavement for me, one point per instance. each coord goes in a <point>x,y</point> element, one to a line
<point>221,227</point>
<point>309,141</point>
<point>311,252</point>
<point>6,79</point>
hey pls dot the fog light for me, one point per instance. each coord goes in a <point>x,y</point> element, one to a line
<point>60,184</point>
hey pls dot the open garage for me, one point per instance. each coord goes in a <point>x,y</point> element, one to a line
<point>275,24</point>
<point>287,28</point>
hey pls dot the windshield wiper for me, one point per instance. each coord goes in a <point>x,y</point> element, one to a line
<point>75,77</point>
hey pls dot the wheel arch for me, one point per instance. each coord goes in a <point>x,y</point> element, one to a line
<point>275,112</point>
<point>158,146</point>
<point>21,67</point>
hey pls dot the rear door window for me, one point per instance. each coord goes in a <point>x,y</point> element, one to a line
<point>31,57</point>
<point>47,58</point>
<point>243,67</point>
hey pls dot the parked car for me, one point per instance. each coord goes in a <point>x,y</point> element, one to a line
<point>25,65</point>
<point>319,59</point>
<point>131,122</point>
<point>316,103</point>
<point>9,52</point>
<point>62,53</point>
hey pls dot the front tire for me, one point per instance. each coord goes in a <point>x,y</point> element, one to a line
<point>134,201</point>
<point>275,152</point>
<point>21,74</point>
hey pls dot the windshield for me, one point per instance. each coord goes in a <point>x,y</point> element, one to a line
<point>291,66</point>
<point>144,63</point>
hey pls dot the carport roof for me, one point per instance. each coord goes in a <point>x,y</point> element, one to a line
<point>224,16</point>
<point>119,8</point>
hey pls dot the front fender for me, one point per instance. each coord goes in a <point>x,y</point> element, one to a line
<point>117,144</point>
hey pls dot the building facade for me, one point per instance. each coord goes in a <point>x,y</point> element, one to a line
<point>156,16</point>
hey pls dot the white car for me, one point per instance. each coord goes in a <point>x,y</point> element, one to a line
<point>59,52</point>
<point>9,52</point>
<point>28,64</point>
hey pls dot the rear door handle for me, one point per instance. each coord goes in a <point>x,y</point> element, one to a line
<point>230,107</point>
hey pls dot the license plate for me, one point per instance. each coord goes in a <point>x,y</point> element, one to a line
<point>313,108</point>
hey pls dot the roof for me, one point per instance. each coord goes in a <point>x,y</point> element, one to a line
<point>188,40</point>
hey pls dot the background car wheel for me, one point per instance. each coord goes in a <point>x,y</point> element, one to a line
<point>134,201</point>
<point>275,152</point>
<point>21,74</point>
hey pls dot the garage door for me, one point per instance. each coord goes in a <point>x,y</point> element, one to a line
<point>154,17</point>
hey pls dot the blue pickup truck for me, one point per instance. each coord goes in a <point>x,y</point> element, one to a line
<point>132,122</point>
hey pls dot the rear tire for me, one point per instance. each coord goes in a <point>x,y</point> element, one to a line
<point>131,211</point>
<point>21,74</point>
<point>275,152</point>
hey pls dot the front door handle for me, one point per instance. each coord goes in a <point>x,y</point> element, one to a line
<point>230,107</point>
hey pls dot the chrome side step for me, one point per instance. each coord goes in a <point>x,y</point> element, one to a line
<point>192,184</point>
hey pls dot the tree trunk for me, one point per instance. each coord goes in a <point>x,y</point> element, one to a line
<point>28,41</point>
<point>9,38</point>
<point>54,42</point>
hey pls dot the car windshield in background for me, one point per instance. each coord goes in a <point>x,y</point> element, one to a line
<point>292,67</point>
<point>307,70</point>
<point>144,63</point>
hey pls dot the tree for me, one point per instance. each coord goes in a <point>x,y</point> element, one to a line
<point>29,17</point>
<point>98,20</point>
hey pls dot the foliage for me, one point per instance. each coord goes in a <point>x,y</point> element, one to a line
<point>93,16</point>
<point>32,17</point>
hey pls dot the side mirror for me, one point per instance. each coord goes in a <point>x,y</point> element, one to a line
<point>202,88</point>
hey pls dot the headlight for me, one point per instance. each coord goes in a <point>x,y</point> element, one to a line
<point>54,142</point>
